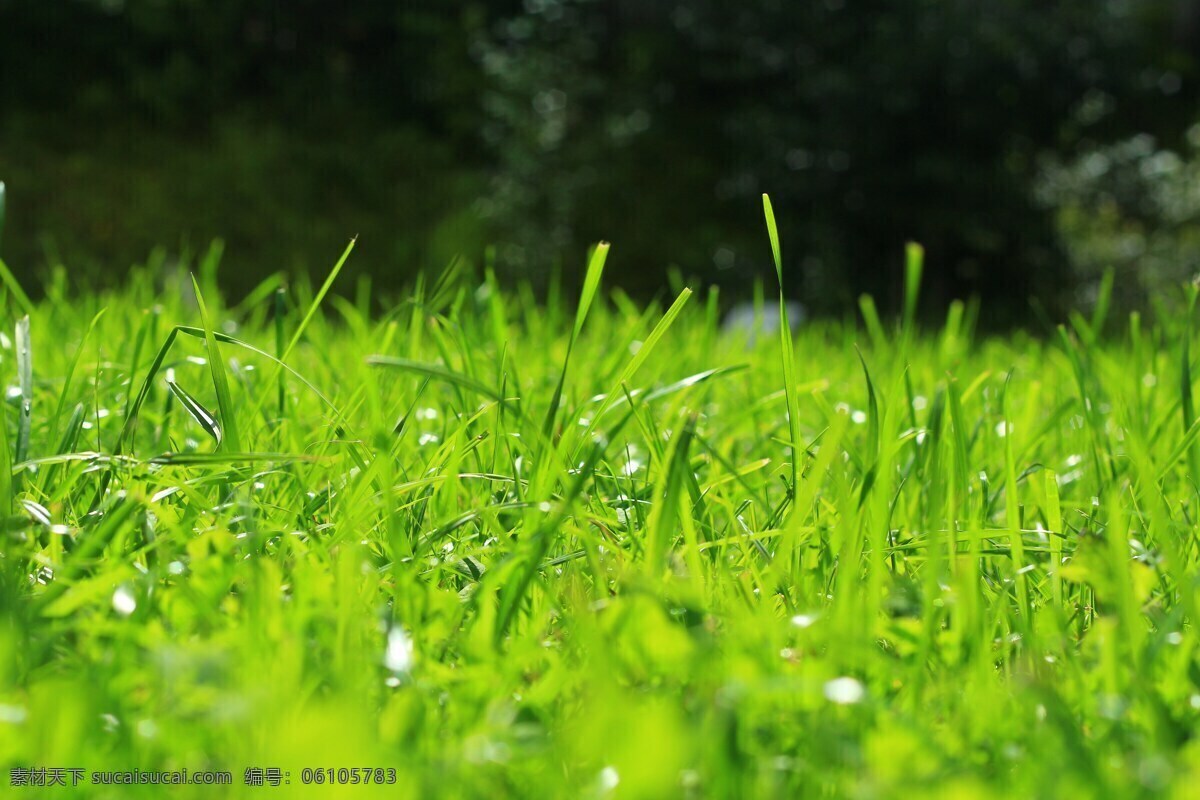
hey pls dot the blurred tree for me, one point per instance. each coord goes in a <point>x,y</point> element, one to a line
<point>655,123</point>
<point>185,60</point>
<point>1132,208</point>
<point>283,127</point>
<point>870,122</point>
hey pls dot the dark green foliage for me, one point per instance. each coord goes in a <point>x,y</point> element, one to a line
<point>434,128</point>
<point>874,122</point>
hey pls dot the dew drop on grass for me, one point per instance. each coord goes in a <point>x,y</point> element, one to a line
<point>123,601</point>
<point>13,715</point>
<point>844,691</point>
<point>859,417</point>
<point>398,657</point>
<point>804,620</point>
<point>608,779</point>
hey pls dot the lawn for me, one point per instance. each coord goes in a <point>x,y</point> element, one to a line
<point>491,544</point>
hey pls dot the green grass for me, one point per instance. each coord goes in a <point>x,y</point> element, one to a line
<point>519,547</point>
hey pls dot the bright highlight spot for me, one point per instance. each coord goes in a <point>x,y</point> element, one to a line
<point>844,691</point>
<point>123,601</point>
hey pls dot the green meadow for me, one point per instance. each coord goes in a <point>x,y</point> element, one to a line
<point>497,543</point>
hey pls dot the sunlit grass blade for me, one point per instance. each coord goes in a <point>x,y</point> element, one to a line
<point>512,594</point>
<point>914,263</point>
<point>439,373</point>
<point>25,380</point>
<point>280,313</point>
<point>24,304</point>
<point>1185,377</point>
<point>1012,507</point>
<point>91,546</point>
<point>71,368</point>
<point>313,307</point>
<point>591,283</point>
<point>231,440</point>
<point>666,517</point>
<point>198,412</point>
<point>631,367</point>
<point>787,349</point>
<point>227,459</point>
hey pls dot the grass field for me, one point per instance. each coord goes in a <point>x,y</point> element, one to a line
<point>507,546</point>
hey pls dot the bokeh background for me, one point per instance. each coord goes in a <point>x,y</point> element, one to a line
<point>1028,145</point>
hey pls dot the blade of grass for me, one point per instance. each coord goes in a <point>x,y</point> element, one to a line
<point>281,360</point>
<point>216,364</point>
<point>591,283</point>
<point>10,282</point>
<point>25,379</point>
<point>913,267</point>
<point>198,412</point>
<point>639,358</point>
<point>787,349</point>
<point>1185,377</point>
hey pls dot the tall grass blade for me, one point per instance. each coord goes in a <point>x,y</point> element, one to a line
<point>25,379</point>
<point>198,412</point>
<point>591,283</point>
<point>231,440</point>
<point>914,264</point>
<point>787,349</point>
